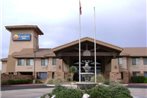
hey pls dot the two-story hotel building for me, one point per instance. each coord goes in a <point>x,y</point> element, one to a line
<point>25,57</point>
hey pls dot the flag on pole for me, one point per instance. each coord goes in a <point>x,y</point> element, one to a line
<point>80,7</point>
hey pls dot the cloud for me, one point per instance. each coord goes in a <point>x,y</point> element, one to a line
<point>120,22</point>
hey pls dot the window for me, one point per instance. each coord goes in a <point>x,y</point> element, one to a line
<point>122,75</point>
<point>53,61</point>
<point>44,62</point>
<point>29,62</point>
<point>20,62</point>
<point>135,61</point>
<point>53,75</point>
<point>145,61</point>
<point>145,74</point>
<point>42,75</point>
<point>120,61</point>
<point>136,73</point>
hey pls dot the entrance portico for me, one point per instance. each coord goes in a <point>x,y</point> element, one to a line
<point>106,57</point>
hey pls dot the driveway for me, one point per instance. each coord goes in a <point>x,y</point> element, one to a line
<point>35,91</point>
<point>25,93</point>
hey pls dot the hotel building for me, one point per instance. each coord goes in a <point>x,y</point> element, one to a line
<point>25,57</point>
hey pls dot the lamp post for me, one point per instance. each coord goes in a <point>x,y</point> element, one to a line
<point>34,77</point>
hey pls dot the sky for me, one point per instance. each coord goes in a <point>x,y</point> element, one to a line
<point>119,22</point>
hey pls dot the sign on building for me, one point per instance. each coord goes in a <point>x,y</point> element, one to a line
<point>22,37</point>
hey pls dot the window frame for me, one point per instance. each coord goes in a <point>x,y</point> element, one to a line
<point>120,61</point>
<point>29,64</point>
<point>145,63</point>
<point>145,72</point>
<point>137,61</point>
<point>54,61</point>
<point>44,61</point>
<point>136,73</point>
<point>21,63</point>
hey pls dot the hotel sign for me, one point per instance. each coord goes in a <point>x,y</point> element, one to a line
<point>22,37</point>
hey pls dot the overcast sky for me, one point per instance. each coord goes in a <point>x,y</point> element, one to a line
<point>119,22</point>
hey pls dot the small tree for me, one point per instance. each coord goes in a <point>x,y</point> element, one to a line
<point>72,70</point>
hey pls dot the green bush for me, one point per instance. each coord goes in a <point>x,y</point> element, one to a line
<point>145,80</point>
<point>112,91</point>
<point>99,92</point>
<point>58,88</point>
<point>55,81</point>
<point>118,91</point>
<point>69,93</point>
<point>137,79</point>
<point>100,78</point>
<point>19,81</point>
<point>63,92</point>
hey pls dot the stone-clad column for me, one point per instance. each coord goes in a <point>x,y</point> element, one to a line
<point>115,74</point>
<point>59,74</point>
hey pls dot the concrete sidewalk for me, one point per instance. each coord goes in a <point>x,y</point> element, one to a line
<point>136,85</point>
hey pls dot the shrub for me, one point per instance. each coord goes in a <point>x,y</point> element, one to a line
<point>145,80</point>
<point>100,78</point>
<point>72,70</point>
<point>118,91</point>
<point>19,81</point>
<point>55,81</point>
<point>112,91</point>
<point>99,92</point>
<point>69,93</point>
<point>63,92</point>
<point>58,88</point>
<point>137,79</point>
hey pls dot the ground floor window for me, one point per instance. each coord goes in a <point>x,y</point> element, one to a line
<point>145,74</point>
<point>42,75</point>
<point>122,75</point>
<point>136,73</point>
<point>53,75</point>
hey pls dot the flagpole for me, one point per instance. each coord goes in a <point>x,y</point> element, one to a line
<point>95,44</point>
<point>80,41</point>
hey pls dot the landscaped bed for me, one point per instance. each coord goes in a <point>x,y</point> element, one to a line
<point>99,91</point>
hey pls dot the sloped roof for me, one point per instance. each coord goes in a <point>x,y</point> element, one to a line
<point>90,40</point>
<point>4,59</point>
<point>134,51</point>
<point>28,53</point>
<point>24,27</point>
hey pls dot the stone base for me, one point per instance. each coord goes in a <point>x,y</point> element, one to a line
<point>115,76</point>
<point>59,75</point>
<point>85,85</point>
<point>125,77</point>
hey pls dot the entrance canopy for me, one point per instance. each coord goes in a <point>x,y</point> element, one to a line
<point>87,48</point>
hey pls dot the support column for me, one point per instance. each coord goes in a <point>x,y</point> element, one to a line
<point>115,74</point>
<point>59,74</point>
<point>125,77</point>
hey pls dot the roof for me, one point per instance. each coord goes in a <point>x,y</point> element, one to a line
<point>90,40</point>
<point>28,53</point>
<point>25,27</point>
<point>134,51</point>
<point>4,59</point>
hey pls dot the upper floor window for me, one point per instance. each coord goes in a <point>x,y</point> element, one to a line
<point>135,61</point>
<point>145,61</point>
<point>20,62</point>
<point>29,62</point>
<point>53,61</point>
<point>120,61</point>
<point>44,62</point>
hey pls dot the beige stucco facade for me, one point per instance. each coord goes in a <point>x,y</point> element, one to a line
<point>66,55</point>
